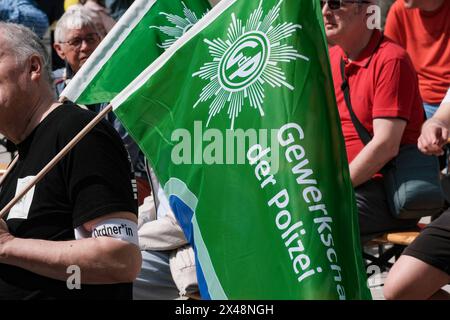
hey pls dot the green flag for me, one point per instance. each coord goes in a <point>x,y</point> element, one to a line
<point>240,123</point>
<point>139,37</point>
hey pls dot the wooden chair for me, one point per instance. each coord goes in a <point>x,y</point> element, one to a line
<point>390,245</point>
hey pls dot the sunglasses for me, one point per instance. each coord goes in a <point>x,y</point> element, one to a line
<point>337,4</point>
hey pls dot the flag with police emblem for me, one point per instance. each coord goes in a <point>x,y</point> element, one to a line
<point>239,121</point>
<point>146,29</point>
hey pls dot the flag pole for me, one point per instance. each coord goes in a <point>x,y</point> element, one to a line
<point>57,158</point>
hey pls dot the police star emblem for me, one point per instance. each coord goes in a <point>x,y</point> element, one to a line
<point>246,61</point>
<point>180,25</point>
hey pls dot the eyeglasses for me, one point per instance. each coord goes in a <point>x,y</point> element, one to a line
<point>337,4</point>
<point>90,39</point>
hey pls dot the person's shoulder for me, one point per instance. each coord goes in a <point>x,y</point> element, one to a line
<point>335,53</point>
<point>397,7</point>
<point>390,50</point>
<point>70,119</point>
<point>74,116</point>
<point>58,72</point>
<point>401,14</point>
<point>70,115</point>
<point>392,58</point>
<point>59,75</point>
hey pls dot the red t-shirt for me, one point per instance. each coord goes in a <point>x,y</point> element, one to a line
<point>426,37</point>
<point>383,84</point>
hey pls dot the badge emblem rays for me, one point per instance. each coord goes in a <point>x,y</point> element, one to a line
<point>247,60</point>
<point>181,25</point>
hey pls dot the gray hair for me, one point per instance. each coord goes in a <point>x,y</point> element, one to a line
<point>76,17</point>
<point>24,43</point>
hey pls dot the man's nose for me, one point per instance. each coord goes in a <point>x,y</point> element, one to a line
<point>325,9</point>
<point>84,45</point>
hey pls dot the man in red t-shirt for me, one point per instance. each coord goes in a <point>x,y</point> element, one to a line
<point>422,28</point>
<point>385,98</point>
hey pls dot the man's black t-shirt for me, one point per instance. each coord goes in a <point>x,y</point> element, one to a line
<point>92,180</point>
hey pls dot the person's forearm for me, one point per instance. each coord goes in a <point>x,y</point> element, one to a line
<point>101,260</point>
<point>442,115</point>
<point>370,161</point>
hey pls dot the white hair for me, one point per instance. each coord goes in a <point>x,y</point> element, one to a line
<point>23,42</point>
<point>76,17</point>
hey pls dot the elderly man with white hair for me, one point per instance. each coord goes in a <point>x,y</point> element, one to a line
<point>81,218</point>
<point>76,37</point>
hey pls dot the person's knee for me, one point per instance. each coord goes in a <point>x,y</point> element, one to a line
<point>392,290</point>
<point>396,286</point>
<point>399,287</point>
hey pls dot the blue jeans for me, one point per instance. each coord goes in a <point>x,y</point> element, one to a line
<point>374,215</point>
<point>430,109</point>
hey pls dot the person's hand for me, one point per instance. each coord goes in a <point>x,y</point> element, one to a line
<point>434,136</point>
<point>3,227</point>
<point>4,236</point>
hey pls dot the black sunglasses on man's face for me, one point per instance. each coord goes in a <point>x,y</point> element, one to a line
<point>337,4</point>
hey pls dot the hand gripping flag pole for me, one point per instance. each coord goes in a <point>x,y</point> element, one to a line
<point>54,161</point>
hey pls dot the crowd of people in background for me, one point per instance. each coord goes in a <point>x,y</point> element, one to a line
<point>390,81</point>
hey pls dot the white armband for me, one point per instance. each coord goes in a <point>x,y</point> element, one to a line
<point>120,229</point>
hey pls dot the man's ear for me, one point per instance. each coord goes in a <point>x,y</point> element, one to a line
<point>35,67</point>
<point>59,50</point>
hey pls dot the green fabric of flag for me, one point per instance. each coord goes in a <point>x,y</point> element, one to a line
<point>139,37</point>
<point>271,218</point>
